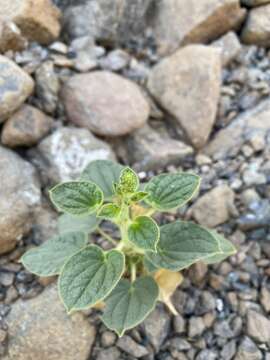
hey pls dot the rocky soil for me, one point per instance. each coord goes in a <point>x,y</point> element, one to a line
<point>163,86</point>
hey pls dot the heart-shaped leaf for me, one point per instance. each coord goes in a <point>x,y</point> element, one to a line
<point>89,276</point>
<point>144,233</point>
<point>226,249</point>
<point>182,244</point>
<point>109,211</point>
<point>77,197</point>
<point>169,191</point>
<point>105,174</point>
<point>49,258</point>
<point>130,303</point>
<point>86,223</point>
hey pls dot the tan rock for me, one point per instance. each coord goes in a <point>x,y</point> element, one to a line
<point>38,20</point>
<point>214,208</point>
<point>191,21</point>
<point>105,103</point>
<point>20,195</point>
<point>187,85</point>
<point>11,37</point>
<point>26,127</point>
<point>41,329</point>
<point>229,45</point>
<point>15,87</point>
<point>257,27</point>
<point>258,326</point>
<point>229,141</point>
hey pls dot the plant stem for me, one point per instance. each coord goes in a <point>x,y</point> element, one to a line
<point>150,212</point>
<point>133,272</point>
<point>106,236</point>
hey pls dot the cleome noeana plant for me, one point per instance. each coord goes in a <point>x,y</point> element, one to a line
<point>144,263</point>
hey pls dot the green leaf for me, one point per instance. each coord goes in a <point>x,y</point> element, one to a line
<point>169,191</point>
<point>104,173</point>
<point>49,258</point>
<point>149,266</point>
<point>144,233</point>
<point>109,211</point>
<point>89,276</point>
<point>226,249</point>
<point>138,196</point>
<point>182,244</point>
<point>128,182</point>
<point>86,224</point>
<point>130,303</point>
<point>77,197</point>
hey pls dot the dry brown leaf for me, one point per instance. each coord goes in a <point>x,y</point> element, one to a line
<point>168,281</point>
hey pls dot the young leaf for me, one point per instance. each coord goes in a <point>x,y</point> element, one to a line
<point>109,211</point>
<point>104,173</point>
<point>144,233</point>
<point>169,191</point>
<point>182,244</point>
<point>130,303</point>
<point>49,258</point>
<point>86,224</point>
<point>128,182</point>
<point>226,249</point>
<point>138,196</point>
<point>77,197</point>
<point>89,276</point>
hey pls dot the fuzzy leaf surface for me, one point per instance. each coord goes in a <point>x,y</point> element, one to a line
<point>144,233</point>
<point>86,223</point>
<point>105,174</point>
<point>182,244</point>
<point>130,303</point>
<point>49,258</point>
<point>89,276</point>
<point>169,191</point>
<point>128,182</point>
<point>138,196</point>
<point>226,249</point>
<point>109,211</point>
<point>77,197</point>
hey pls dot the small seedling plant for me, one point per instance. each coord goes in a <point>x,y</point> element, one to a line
<point>143,265</point>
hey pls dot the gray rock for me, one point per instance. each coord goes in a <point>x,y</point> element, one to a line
<point>214,207</point>
<point>228,351</point>
<point>257,27</point>
<point>63,155</point>
<point>15,87</point>
<point>105,103</point>
<point>228,142</point>
<point>20,194</point>
<point>207,355</point>
<point>248,350</point>
<point>109,354</point>
<point>40,328</point>
<point>157,327</point>
<point>26,127</point>
<point>47,86</point>
<point>147,150</point>
<point>116,60</point>
<point>253,3</point>
<point>129,346</point>
<point>230,47</point>
<point>265,299</point>
<point>179,324</point>
<point>192,21</point>
<point>258,326</point>
<point>171,82</point>
<point>196,326</point>
<point>38,20</point>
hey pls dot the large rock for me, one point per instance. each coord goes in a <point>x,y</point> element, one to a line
<point>108,21</point>
<point>147,149</point>
<point>229,45</point>
<point>191,21</point>
<point>252,3</point>
<point>26,127</point>
<point>41,329</point>
<point>247,126</point>
<point>214,208</point>
<point>258,327</point>
<point>20,194</point>
<point>11,37</point>
<point>187,85</point>
<point>63,155</point>
<point>257,27</point>
<point>105,103</point>
<point>38,20</point>
<point>15,87</point>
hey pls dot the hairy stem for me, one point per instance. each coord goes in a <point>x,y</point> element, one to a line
<point>133,272</point>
